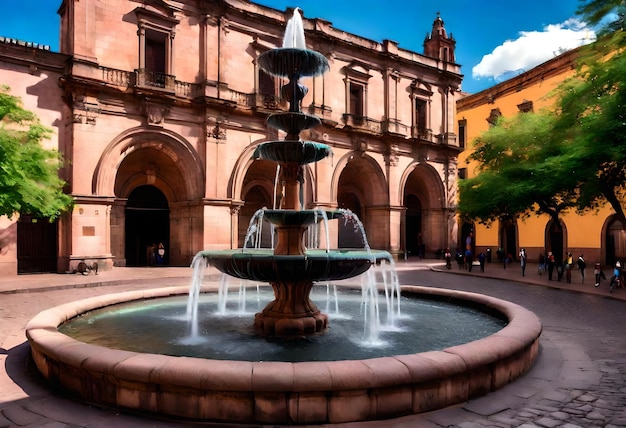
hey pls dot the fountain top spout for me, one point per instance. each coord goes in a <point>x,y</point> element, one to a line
<point>294,33</point>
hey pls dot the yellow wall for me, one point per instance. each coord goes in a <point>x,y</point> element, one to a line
<point>583,234</point>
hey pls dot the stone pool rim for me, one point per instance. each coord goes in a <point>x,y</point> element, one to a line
<point>284,392</point>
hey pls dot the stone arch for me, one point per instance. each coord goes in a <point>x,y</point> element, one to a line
<point>359,183</point>
<point>612,242</point>
<point>424,225</point>
<point>555,238</point>
<point>182,177</point>
<point>162,159</point>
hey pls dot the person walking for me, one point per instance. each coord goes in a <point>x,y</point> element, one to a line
<point>581,267</point>
<point>597,271</point>
<point>481,260</point>
<point>522,260</point>
<point>551,263</point>
<point>568,267</point>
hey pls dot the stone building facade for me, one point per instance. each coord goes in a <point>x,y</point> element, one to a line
<point>158,107</point>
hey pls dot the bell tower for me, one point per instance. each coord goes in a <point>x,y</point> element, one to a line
<point>437,44</point>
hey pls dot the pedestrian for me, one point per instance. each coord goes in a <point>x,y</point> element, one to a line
<point>551,263</point>
<point>469,260</point>
<point>160,256</point>
<point>597,271</point>
<point>542,263</point>
<point>522,260</point>
<point>448,257</point>
<point>481,259</point>
<point>459,258</point>
<point>567,265</point>
<point>151,254</point>
<point>617,273</point>
<point>581,267</point>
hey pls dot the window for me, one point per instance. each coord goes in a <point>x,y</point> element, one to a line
<point>420,117</point>
<point>357,77</point>
<point>493,116</point>
<point>156,38</point>
<point>462,134</point>
<point>421,93</point>
<point>356,100</point>
<point>462,173</point>
<point>526,106</point>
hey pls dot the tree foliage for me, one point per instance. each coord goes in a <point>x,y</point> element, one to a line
<point>518,158</point>
<point>29,180</point>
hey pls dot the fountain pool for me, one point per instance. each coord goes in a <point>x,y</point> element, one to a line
<point>160,326</point>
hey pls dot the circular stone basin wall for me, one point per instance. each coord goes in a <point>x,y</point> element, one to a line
<point>280,392</point>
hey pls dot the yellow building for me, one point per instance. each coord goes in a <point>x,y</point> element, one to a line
<point>596,235</point>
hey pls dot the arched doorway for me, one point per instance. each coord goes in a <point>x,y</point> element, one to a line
<point>554,240</point>
<point>615,242</point>
<point>147,223</point>
<point>414,237</point>
<point>508,238</point>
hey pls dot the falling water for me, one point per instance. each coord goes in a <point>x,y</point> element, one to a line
<point>199,265</point>
<point>294,33</point>
<point>358,226</point>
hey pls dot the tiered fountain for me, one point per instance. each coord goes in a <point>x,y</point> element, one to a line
<point>290,268</point>
<point>280,392</point>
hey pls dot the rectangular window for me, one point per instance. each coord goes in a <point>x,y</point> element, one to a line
<point>155,52</point>
<point>420,117</point>
<point>462,173</point>
<point>462,134</point>
<point>356,100</point>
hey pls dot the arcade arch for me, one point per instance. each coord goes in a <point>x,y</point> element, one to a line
<point>163,167</point>
<point>425,223</point>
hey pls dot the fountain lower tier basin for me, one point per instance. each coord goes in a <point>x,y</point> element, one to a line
<point>283,392</point>
<point>315,265</point>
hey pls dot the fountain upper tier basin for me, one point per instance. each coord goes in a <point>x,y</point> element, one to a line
<point>314,265</point>
<point>300,152</point>
<point>285,62</point>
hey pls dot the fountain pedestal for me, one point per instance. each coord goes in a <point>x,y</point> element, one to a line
<point>291,313</point>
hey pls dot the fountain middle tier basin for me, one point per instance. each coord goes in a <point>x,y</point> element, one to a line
<point>299,217</point>
<point>315,265</point>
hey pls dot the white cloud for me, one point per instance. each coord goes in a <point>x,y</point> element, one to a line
<point>532,48</point>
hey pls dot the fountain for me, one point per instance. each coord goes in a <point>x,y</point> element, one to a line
<point>290,268</point>
<point>284,392</point>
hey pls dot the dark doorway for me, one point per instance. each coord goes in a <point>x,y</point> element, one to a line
<point>508,238</point>
<point>147,224</point>
<point>413,225</point>
<point>37,243</point>
<point>555,241</point>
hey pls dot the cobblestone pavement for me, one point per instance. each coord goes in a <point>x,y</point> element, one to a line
<point>579,379</point>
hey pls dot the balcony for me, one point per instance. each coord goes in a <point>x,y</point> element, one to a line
<point>154,79</point>
<point>362,123</point>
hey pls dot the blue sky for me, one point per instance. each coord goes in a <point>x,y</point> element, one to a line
<point>495,39</point>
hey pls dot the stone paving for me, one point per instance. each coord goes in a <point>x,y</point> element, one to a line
<point>579,379</point>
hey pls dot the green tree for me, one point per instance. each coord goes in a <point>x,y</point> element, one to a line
<point>593,117</point>
<point>518,159</point>
<point>29,180</point>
